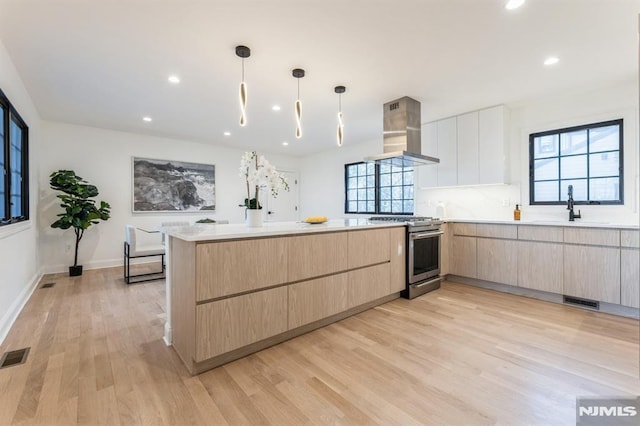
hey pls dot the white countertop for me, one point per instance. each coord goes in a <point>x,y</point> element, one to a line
<point>577,223</point>
<point>211,232</point>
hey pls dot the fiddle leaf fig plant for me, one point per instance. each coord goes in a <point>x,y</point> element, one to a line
<point>80,210</point>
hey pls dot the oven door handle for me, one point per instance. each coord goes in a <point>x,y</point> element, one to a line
<point>425,235</point>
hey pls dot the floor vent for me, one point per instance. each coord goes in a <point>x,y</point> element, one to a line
<point>585,303</point>
<point>14,358</point>
<point>47,285</point>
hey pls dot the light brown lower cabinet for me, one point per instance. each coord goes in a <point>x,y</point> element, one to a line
<point>316,299</point>
<point>463,256</point>
<point>497,260</point>
<point>397,255</point>
<point>630,277</point>
<point>228,324</point>
<point>540,266</point>
<point>592,272</point>
<point>368,284</point>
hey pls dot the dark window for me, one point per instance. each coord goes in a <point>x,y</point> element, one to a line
<point>14,179</point>
<point>588,157</point>
<point>372,188</point>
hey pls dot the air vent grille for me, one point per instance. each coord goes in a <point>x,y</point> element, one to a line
<point>14,357</point>
<point>47,285</point>
<point>585,303</point>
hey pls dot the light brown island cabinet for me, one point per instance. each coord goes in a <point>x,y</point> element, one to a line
<point>592,264</point>
<point>630,268</point>
<point>540,258</point>
<point>230,298</point>
<point>497,253</point>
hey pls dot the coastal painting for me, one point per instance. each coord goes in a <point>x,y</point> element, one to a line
<point>172,186</point>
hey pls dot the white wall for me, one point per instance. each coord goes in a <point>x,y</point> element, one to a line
<point>498,201</point>
<point>19,262</point>
<point>322,178</point>
<point>104,158</point>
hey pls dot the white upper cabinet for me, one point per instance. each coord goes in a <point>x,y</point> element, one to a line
<point>467,125</point>
<point>428,175</point>
<point>447,152</point>
<point>492,154</point>
<point>471,148</point>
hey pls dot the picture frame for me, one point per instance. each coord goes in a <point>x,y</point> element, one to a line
<point>171,186</point>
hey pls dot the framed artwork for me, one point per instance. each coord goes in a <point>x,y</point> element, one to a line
<point>172,186</point>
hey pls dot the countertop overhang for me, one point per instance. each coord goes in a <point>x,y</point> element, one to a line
<point>269,229</point>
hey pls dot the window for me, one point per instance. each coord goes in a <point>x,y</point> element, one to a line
<point>588,157</point>
<point>378,188</point>
<point>14,179</point>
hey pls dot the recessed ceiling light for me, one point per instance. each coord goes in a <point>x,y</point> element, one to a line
<point>174,79</point>
<point>147,119</point>
<point>551,60</point>
<point>285,143</point>
<point>513,4</point>
<point>276,107</point>
<point>227,133</point>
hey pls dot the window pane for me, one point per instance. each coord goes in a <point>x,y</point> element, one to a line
<point>385,179</point>
<point>604,164</point>
<point>396,179</point>
<point>604,138</point>
<point>362,169</point>
<point>396,193</point>
<point>545,146</point>
<point>362,206</point>
<point>408,178</point>
<point>371,168</point>
<point>408,206</point>
<point>604,189</point>
<point>545,169</point>
<point>396,206</point>
<point>2,161</point>
<point>15,155</point>
<point>579,189</point>
<point>385,206</point>
<point>385,193</point>
<point>385,168</point>
<point>573,167</point>
<point>573,142</point>
<point>546,191</point>
<point>352,171</point>
<point>353,206</point>
<point>371,206</point>
<point>408,192</point>
<point>352,183</point>
<point>362,194</point>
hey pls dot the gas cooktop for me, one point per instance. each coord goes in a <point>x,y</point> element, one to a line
<point>410,220</point>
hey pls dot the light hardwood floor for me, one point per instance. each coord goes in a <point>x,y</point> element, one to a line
<point>459,355</point>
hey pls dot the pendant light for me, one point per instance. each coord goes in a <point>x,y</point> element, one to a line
<point>298,73</point>
<point>243,52</point>
<point>340,90</point>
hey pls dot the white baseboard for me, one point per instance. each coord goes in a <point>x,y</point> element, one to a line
<point>18,304</point>
<point>100,264</point>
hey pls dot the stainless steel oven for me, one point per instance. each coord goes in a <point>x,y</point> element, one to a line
<point>423,258</point>
<point>423,252</point>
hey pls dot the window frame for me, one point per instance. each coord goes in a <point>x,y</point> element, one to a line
<point>11,115</point>
<point>619,122</point>
<point>376,188</point>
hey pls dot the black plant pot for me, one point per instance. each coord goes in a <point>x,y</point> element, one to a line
<point>75,271</point>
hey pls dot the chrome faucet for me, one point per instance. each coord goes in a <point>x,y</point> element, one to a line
<point>570,203</point>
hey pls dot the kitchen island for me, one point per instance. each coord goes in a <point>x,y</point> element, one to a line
<point>233,290</point>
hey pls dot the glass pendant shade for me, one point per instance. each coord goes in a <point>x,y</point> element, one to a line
<point>340,133</point>
<point>298,73</point>
<point>243,52</point>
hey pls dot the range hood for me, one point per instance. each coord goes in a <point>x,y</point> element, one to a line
<point>402,136</point>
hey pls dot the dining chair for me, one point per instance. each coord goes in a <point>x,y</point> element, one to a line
<point>132,250</point>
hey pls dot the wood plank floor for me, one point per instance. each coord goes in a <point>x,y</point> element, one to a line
<point>459,355</point>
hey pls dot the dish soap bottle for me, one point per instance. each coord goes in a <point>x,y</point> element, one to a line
<point>516,213</point>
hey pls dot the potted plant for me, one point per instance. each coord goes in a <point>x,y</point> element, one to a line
<point>258,173</point>
<point>80,210</point>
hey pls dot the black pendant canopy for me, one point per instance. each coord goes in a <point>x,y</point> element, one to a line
<point>243,51</point>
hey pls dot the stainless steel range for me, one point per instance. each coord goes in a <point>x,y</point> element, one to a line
<point>423,253</point>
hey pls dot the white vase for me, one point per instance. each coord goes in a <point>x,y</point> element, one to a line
<point>254,218</point>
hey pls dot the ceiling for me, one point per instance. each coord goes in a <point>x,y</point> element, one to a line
<point>106,63</point>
